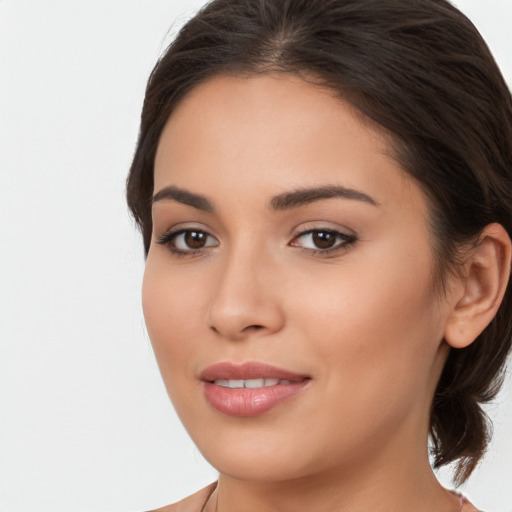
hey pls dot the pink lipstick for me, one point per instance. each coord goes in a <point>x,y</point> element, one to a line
<point>249,389</point>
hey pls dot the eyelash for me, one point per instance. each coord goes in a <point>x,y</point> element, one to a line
<point>344,241</point>
<point>168,238</point>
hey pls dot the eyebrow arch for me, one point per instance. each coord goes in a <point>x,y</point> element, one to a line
<point>183,196</point>
<point>303,196</point>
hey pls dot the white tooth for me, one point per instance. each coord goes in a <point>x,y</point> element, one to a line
<point>254,383</point>
<point>284,381</point>
<point>222,382</point>
<point>236,383</point>
<point>271,382</point>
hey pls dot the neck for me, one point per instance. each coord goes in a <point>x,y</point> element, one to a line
<point>401,482</point>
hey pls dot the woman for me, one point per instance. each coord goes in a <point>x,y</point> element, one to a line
<point>325,193</point>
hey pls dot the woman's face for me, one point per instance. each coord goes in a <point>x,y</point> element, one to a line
<point>288,290</point>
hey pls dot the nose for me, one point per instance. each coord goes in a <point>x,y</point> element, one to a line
<point>245,301</point>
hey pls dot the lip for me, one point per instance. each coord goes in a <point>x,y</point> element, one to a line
<point>247,402</point>
<point>248,370</point>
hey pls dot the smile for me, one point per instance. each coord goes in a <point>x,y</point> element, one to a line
<point>249,389</point>
<point>250,383</point>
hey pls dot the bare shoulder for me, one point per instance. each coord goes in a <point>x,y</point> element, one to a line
<point>192,503</point>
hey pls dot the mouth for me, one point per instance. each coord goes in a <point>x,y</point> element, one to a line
<point>249,372</point>
<point>251,383</point>
<point>250,389</point>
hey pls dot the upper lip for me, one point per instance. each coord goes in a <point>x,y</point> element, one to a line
<point>248,370</point>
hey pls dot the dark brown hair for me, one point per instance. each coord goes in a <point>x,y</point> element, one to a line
<point>421,71</point>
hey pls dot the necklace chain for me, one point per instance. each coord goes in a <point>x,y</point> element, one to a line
<point>462,502</point>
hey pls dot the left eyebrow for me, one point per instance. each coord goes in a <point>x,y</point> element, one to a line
<point>303,196</point>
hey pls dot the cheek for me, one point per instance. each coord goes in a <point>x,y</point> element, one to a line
<point>377,322</point>
<point>372,337</point>
<point>172,311</point>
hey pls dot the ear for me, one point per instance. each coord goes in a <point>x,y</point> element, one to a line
<point>481,290</point>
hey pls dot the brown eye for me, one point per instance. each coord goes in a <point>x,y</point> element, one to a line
<point>195,239</point>
<point>323,239</point>
<point>185,241</point>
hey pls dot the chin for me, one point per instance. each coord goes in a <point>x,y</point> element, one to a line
<point>258,469</point>
<point>256,457</point>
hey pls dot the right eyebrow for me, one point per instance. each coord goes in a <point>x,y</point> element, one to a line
<point>173,193</point>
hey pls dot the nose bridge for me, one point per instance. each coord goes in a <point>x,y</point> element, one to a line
<point>244,300</point>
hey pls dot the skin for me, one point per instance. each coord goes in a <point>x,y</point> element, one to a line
<point>363,321</point>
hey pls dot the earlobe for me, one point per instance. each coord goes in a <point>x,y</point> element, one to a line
<point>486,275</point>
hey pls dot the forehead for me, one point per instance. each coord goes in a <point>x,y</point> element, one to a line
<point>273,131</point>
<point>261,100</point>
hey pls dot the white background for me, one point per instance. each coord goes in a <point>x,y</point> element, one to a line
<point>85,424</point>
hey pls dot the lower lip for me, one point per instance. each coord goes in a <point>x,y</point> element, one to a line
<point>246,402</point>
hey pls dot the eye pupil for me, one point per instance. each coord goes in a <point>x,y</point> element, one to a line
<point>324,239</point>
<point>195,239</point>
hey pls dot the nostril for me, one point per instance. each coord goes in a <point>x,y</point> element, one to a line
<point>254,327</point>
<point>240,333</point>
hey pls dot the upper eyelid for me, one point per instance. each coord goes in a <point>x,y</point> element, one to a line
<point>182,227</point>
<point>324,230</point>
<point>312,226</point>
<point>176,231</point>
